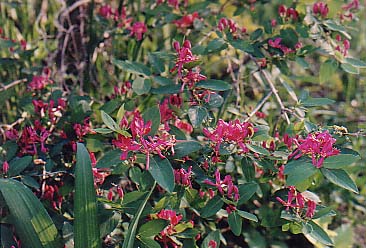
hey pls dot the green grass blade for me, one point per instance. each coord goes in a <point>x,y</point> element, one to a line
<point>131,233</point>
<point>31,220</point>
<point>86,229</point>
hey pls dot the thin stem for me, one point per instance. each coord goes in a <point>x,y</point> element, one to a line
<point>16,82</point>
<point>257,108</point>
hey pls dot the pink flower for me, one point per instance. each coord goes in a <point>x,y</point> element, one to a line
<point>311,208</point>
<point>5,167</point>
<point>183,177</point>
<point>320,8</point>
<point>184,56</point>
<point>40,82</point>
<point>317,145</point>
<point>225,186</point>
<point>171,215</point>
<point>186,21</point>
<point>138,29</point>
<point>212,244</point>
<point>126,144</point>
<point>185,126</point>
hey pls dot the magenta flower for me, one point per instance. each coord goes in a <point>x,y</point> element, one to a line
<point>138,29</point>
<point>186,21</point>
<point>320,8</point>
<point>296,202</point>
<point>126,144</point>
<point>5,167</point>
<point>317,145</point>
<point>225,186</point>
<point>184,56</point>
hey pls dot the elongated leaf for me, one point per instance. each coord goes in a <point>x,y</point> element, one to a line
<point>168,89</point>
<point>258,149</point>
<point>213,84</point>
<point>316,232</point>
<point>212,207</point>
<point>31,220</point>
<point>247,215</point>
<point>350,68</point>
<point>215,236</point>
<point>341,178</point>
<point>247,190</point>
<point>340,161</point>
<point>298,172</point>
<point>235,223</point>
<point>152,114</point>
<point>327,70</point>
<point>317,102</point>
<point>132,228</point>
<point>162,171</point>
<point>17,165</point>
<point>108,121</point>
<point>152,228</point>
<point>185,148</point>
<point>86,229</point>
<point>197,115</point>
<point>109,159</point>
<point>133,67</point>
<point>141,86</point>
<point>356,62</point>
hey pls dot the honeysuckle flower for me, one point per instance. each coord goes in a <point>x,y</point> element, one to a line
<point>40,82</point>
<point>126,144</point>
<point>225,187</point>
<point>5,167</point>
<point>186,21</point>
<point>296,202</point>
<point>212,244</point>
<point>318,146</point>
<point>184,56</point>
<point>183,177</point>
<point>138,29</point>
<point>320,8</point>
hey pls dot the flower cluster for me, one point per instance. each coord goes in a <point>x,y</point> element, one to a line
<point>183,177</point>
<point>232,132</point>
<point>320,8</point>
<point>52,111</point>
<point>137,29</point>
<point>184,56</point>
<point>187,20</point>
<point>276,43</point>
<point>174,219</point>
<point>318,145</point>
<point>344,46</point>
<point>230,24</point>
<point>225,187</point>
<point>288,13</point>
<point>51,193</point>
<point>141,141</point>
<point>296,201</point>
<point>40,82</point>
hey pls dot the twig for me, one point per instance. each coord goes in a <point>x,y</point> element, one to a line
<point>275,92</point>
<point>260,104</point>
<point>16,82</point>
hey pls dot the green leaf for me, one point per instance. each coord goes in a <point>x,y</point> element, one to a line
<point>184,148</point>
<point>17,165</point>
<point>247,215</point>
<point>216,45</point>
<point>110,158</point>
<point>152,114</point>
<point>247,190</point>
<point>141,86</point>
<point>327,70</point>
<point>248,168</point>
<point>197,115</point>
<point>86,227</point>
<point>340,161</point>
<point>132,228</point>
<point>167,89</point>
<point>108,121</point>
<point>316,232</point>
<point>341,178</point>
<point>162,171</point>
<point>242,45</point>
<point>258,149</point>
<point>152,228</point>
<point>356,62</point>
<point>163,81</point>
<point>31,220</point>
<point>213,84</point>
<point>133,67</point>
<point>156,62</point>
<point>256,34</point>
<point>298,172</point>
<point>103,130</point>
<point>148,242</point>
<point>335,27</point>
<point>289,37</point>
<point>316,102</point>
<point>350,68</point>
<point>235,223</point>
<point>212,207</point>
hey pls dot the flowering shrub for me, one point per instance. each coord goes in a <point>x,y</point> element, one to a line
<point>176,124</point>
